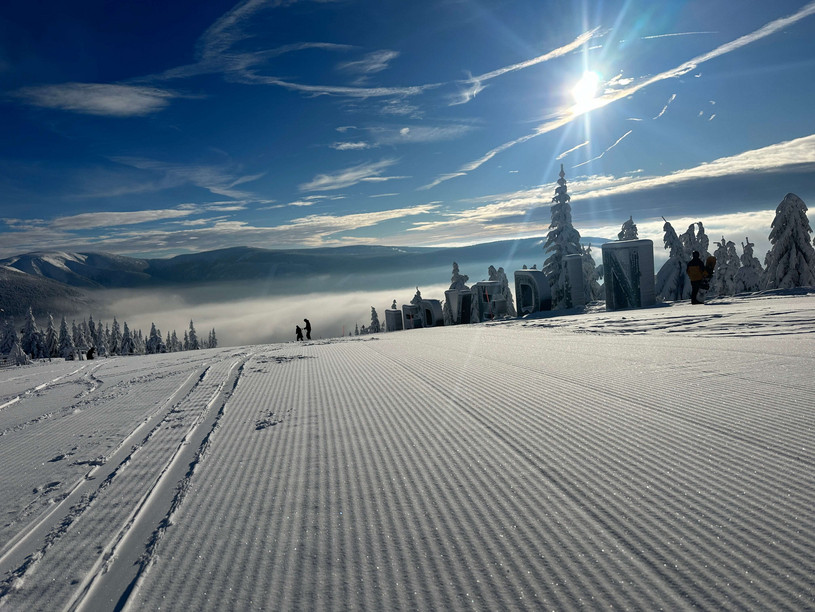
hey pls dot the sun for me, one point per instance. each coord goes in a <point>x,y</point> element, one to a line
<point>585,90</point>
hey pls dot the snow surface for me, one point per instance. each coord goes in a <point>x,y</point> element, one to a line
<point>658,458</point>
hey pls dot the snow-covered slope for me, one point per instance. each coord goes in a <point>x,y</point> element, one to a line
<point>660,458</point>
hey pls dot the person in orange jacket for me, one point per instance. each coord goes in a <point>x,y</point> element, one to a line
<point>696,274</point>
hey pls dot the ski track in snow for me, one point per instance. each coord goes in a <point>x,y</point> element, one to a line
<point>660,458</point>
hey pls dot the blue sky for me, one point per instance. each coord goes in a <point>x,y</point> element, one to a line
<point>151,129</point>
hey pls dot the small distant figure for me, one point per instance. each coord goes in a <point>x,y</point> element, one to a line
<point>696,273</point>
<point>299,332</point>
<point>308,329</point>
<point>90,353</point>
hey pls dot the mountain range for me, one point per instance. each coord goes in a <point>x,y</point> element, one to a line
<point>65,281</point>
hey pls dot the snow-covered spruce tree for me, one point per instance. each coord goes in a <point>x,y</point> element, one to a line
<point>115,342</point>
<point>693,240</point>
<point>213,339</point>
<point>66,340</point>
<point>628,230</point>
<point>51,339</point>
<point>563,239</point>
<point>192,338</point>
<point>790,262</point>
<point>748,276</point>
<point>31,341</point>
<point>672,282</point>
<point>154,343</point>
<point>8,338</point>
<point>375,326</point>
<point>17,355</point>
<point>727,263</point>
<point>175,343</point>
<point>417,298</point>
<point>356,329</point>
<point>128,346</point>
<point>591,288</point>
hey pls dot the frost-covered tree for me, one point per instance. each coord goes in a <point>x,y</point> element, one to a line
<point>66,340</point>
<point>356,329</point>
<point>563,239</point>
<point>128,344</point>
<point>417,298</point>
<point>695,240</point>
<point>790,262</point>
<point>31,340</point>
<point>748,276</point>
<point>192,338</point>
<point>628,230</point>
<point>51,340</point>
<point>17,355</point>
<point>457,280</point>
<point>154,343</point>
<point>672,282</point>
<point>375,327</point>
<point>213,339</point>
<point>115,342</point>
<point>101,340</point>
<point>591,288</point>
<point>175,343</point>
<point>8,338</point>
<point>727,264</point>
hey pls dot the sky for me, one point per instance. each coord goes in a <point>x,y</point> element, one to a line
<point>152,129</point>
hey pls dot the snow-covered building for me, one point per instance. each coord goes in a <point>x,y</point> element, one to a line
<point>629,274</point>
<point>532,291</point>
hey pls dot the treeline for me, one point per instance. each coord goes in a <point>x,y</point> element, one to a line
<point>89,338</point>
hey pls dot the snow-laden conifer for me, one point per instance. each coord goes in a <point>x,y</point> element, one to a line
<point>66,340</point>
<point>671,281</point>
<point>748,276</point>
<point>727,264</point>
<point>790,262</point>
<point>628,230</point>
<point>563,239</point>
<point>8,338</point>
<point>115,342</point>
<point>500,276</point>
<point>192,338</point>
<point>154,343</point>
<point>375,327</point>
<point>51,340</point>
<point>417,298</point>
<point>31,341</point>
<point>17,355</point>
<point>128,344</point>
<point>213,339</point>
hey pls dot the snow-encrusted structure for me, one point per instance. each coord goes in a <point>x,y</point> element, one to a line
<point>575,291</point>
<point>412,315</point>
<point>432,313</point>
<point>748,276</point>
<point>393,319</point>
<point>532,291</point>
<point>458,299</point>
<point>489,302</point>
<point>591,288</point>
<point>790,262</point>
<point>629,274</point>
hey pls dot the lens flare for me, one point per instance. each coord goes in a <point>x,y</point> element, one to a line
<point>586,89</point>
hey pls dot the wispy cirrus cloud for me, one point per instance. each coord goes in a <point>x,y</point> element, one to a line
<point>475,84</point>
<point>616,142</point>
<point>624,88</point>
<point>572,150</point>
<point>114,219</point>
<point>98,98</point>
<point>370,172</point>
<point>665,108</point>
<point>373,62</point>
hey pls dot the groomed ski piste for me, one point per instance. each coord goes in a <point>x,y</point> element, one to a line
<point>648,459</point>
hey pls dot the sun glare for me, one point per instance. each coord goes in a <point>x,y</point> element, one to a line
<point>586,89</point>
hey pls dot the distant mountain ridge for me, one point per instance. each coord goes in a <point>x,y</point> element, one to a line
<point>92,270</point>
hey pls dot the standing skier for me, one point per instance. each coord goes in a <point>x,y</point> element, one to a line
<point>298,332</point>
<point>308,329</point>
<point>696,274</point>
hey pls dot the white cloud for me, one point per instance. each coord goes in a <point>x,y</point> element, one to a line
<point>572,150</point>
<point>98,98</point>
<point>350,146</point>
<point>112,219</point>
<point>618,141</point>
<point>347,177</point>
<point>372,63</point>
